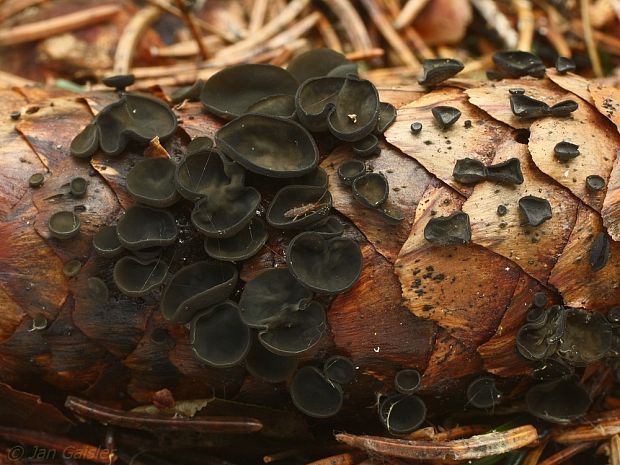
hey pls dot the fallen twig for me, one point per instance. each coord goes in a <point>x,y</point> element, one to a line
<point>525,24</point>
<point>132,33</point>
<point>588,38</point>
<point>351,22</point>
<point>409,13</point>
<point>566,454</point>
<point>498,21</point>
<point>592,431</point>
<point>188,18</point>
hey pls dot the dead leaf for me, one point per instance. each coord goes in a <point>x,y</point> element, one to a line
<point>195,122</point>
<point>611,205</point>
<point>572,83</point>
<point>438,149</point>
<point>534,249</point>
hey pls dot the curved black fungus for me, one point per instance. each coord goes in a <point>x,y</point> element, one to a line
<point>133,118</point>
<point>230,92</point>
<point>561,401</point>
<point>391,213</point>
<point>350,170</point>
<point>106,242</point>
<point>36,180</point>
<point>448,230</point>
<point>371,189</point>
<point>407,381</point>
<point>387,115</point>
<point>516,91</point>
<point>446,116</point>
<point>315,63</point>
<point>438,70</point>
<point>219,337</point>
<point>416,127</point>
<point>148,253</point>
<point>314,395</point>
<point>595,183</point>
<point>482,393</point>
<point>195,287</point>
<point>613,315</point>
<point>64,225</point>
<point>39,322</point>
<point>282,105</point>
<point>535,209</point>
<point>296,206</point>
<point>97,290</point>
<point>329,226</point>
<point>78,186</point>
<point>14,115</point>
<point>540,299</point>
<point>367,146</point>
<point>526,107</point>
<point>135,277</point>
<point>191,93</point>
<point>467,124</point>
<point>142,227</point>
<point>535,314</point>
<point>564,108</point>
<point>267,366</point>
<point>339,369</point>
<point>565,151</point>
<point>506,172</point>
<point>518,63</point>
<point>72,268</point>
<point>206,173</point>
<point>324,265</point>
<point>539,338</point>
<point>226,214</point>
<point>502,210</point>
<point>268,145</point>
<point>599,252</point>
<point>314,100</point>
<point>344,70</point>
<point>119,81</point>
<point>551,369</point>
<point>355,112</point>
<point>586,338</point>
<point>151,182</point>
<point>86,142</point>
<point>316,178</point>
<point>243,245</point>
<point>402,414</point>
<point>199,144</point>
<point>469,171</point>
<point>565,65</point>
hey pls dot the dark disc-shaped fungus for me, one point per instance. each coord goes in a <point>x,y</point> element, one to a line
<point>526,107</point>
<point>445,115</point>
<point>72,268</point>
<point>367,146</point>
<point>565,65</point>
<point>387,115</point>
<point>106,242</point>
<point>135,277</point>
<point>134,118</point>
<point>64,225</point>
<point>119,81</point>
<point>540,299</point>
<point>229,93</point>
<point>330,226</point>
<point>350,170</point>
<point>86,142</point>
<point>402,414</point>
<point>482,393</point>
<point>268,145</point>
<point>535,209</point>
<point>151,182</point>
<point>564,108</point>
<point>315,63</point>
<point>195,287</point>
<point>325,265</point>
<point>315,395</point>
<point>267,366</point>
<point>506,172</point>
<point>517,63</point>
<point>416,127</point>
<point>226,214</point>
<point>219,337</point>
<point>314,100</point>
<point>561,401</point>
<point>339,369</point>
<point>540,336</point>
<point>191,93</point>
<point>294,206</point>
<point>469,171</point>
<point>282,105</point>
<point>448,230</point>
<point>36,180</point>
<point>97,289</point>
<point>142,227</point>
<point>587,337</point>
<point>438,70</point>
<point>565,151</point>
<point>407,381</point>
<point>371,189</point>
<point>552,368</point>
<point>78,186</point>
<point>356,110</point>
<point>199,144</point>
<point>502,210</point>
<point>516,91</point>
<point>243,245</point>
<point>599,252</point>
<point>595,183</point>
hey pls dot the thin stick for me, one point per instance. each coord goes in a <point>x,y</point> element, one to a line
<point>328,34</point>
<point>533,456</point>
<point>392,37</point>
<point>352,23</point>
<point>147,422</point>
<point>340,459</point>
<point>365,54</point>
<point>525,24</point>
<point>418,43</point>
<point>258,14</point>
<point>132,33</point>
<point>497,21</point>
<point>212,42</point>
<point>553,33</point>
<point>614,450</point>
<point>409,13</point>
<point>461,449</point>
<point>566,454</point>
<point>15,6</point>
<point>593,431</point>
<point>58,25</point>
<point>187,17</point>
<point>460,432</point>
<point>589,39</point>
<point>283,455</point>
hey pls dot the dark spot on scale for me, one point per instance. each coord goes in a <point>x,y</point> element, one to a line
<point>15,115</point>
<point>32,109</point>
<point>502,210</point>
<point>467,123</point>
<point>430,268</point>
<point>428,142</point>
<point>427,308</point>
<point>439,277</point>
